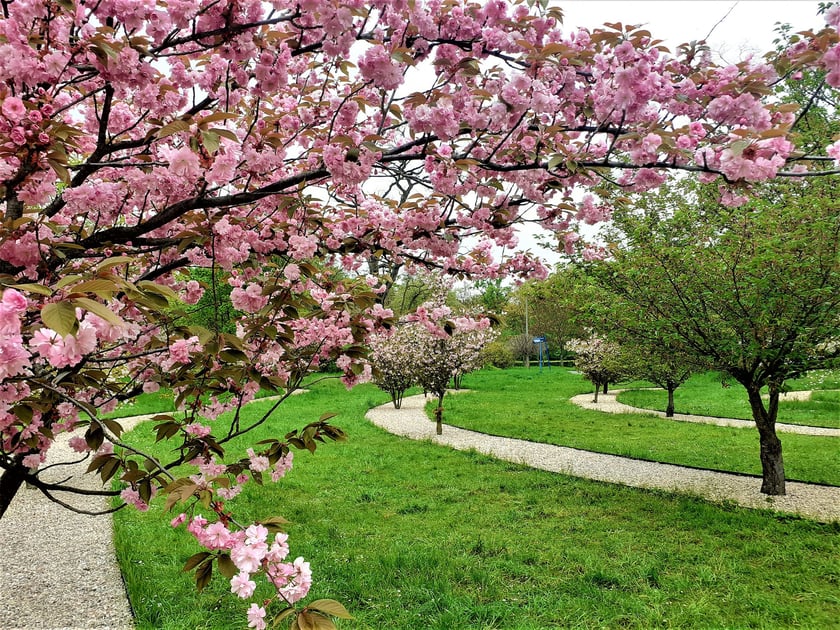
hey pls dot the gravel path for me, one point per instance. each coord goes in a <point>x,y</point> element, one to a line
<point>59,568</point>
<point>608,404</point>
<point>820,503</point>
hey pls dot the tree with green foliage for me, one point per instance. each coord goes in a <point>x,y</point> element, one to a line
<point>660,363</point>
<point>550,310</point>
<point>754,290</point>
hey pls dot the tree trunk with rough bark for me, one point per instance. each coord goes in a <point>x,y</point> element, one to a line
<point>772,464</point>
<point>10,482</point>
<point>597,389</point>
<point>439,416</point>
<point>669,410</point>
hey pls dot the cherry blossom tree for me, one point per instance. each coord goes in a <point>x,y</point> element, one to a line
<point>752,291</point>
<point>261,141</point>
<point>598,359</point>
<point>447,348</point>
<point>393,356</point>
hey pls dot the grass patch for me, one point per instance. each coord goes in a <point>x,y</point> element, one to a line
<point>703,395</point>
<point>411,535</point>
<point>535,406</point>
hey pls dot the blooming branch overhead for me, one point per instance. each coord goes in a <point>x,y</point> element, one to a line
<point>265,141</point>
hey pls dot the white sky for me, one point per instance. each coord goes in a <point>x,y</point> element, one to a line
<point>746,26</point>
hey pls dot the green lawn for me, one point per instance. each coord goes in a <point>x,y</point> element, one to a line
<point>535,405</point>
<point>704,395</point>
<point>410,535</point>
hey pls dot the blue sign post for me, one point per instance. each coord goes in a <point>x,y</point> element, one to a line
<point>540,341</point>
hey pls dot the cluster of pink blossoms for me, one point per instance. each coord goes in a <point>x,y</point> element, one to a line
<point>249,549</point>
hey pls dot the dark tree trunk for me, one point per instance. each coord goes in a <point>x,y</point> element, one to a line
<point>10,482</point>
<point>669,410</point>
<point>597,389</point>
<point>439,416</point>
<point>772,464</point>
<point>606,384</point>
<point>397,398</point>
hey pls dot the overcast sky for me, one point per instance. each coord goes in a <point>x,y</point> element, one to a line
<point>745,25</point>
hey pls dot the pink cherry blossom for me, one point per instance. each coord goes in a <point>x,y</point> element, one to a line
<point>242,586</point>
<point>132,497</point>
<point>256,617</point>
<point>15,300</point>
<point>258,463</point>
<point>13,109</point>
<point>282,466</point>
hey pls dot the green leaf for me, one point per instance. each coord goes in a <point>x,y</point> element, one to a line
<point>98,462</point>
<point>556,160</point>
<point>67,280</point>
<point>113,262</point>
<point>203,575</point>
<point>738,147</point>
<point>331,607</point>
<point>210,141</point>
<point>282,615</point>
<point>100,286</point>
<point>94,436</point>
<point>33,288</point>
<point>176,126</point>
<point>133,476</point>
<point>113,426</point>
<point>97,308</point>
<point>274,524</point>
<point>109,469</point>
<point>314,621</point>
<point>61,317</point>
<point>159,289</point>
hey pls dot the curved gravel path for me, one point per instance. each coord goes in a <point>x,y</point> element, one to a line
<point>817,502</point>
<point>608,403</point>
<point>59,569</point>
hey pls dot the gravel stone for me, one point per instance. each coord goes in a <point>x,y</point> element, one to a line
<point>608,404</point>
<point>59,569</point>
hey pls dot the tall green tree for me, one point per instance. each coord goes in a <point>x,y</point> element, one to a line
<point>753,290</point>
<point>550,308</point>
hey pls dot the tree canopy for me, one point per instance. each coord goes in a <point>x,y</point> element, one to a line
<point>753,290</point>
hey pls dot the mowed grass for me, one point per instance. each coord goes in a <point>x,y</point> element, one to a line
<point>534,405</point>
<point>704,395</point>
<point>410,535</point>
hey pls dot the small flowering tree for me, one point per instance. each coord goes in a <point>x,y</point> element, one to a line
<point>466,347</point>
<point>142,139</point>
<point>393,357</point>
<point>447,347</point>
<point>598,359</point>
